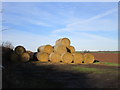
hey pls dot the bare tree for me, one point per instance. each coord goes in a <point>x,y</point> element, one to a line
<point>7,45</point>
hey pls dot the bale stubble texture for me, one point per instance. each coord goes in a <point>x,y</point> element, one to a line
<point>67,58</point>
<point>20,50</point>
<point>55,57</point>
<point>46,48</point>
<point>63,41</point>
<point>78,58</point>
<point>60,49</point>
<point>89,58</point>
<point>25,57</point>
<point>42,56</point>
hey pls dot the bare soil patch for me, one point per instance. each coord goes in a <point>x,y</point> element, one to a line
<point>107,57</point>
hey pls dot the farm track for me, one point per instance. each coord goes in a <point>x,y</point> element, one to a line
<point>47,75</point>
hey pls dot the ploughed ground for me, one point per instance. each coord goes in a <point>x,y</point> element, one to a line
<point>35,74</point>
<point>107,57</point>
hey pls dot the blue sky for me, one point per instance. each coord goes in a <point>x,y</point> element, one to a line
<point>89,25</point>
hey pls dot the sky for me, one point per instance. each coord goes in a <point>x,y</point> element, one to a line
<point>89,25</point>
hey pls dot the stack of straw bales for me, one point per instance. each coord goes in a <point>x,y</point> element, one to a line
<point>62,52</point>
<point>21,55</point>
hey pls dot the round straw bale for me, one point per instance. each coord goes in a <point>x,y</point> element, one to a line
<point>78,58</point>
<point>14,57</point>
<point>46,48</point>
<point>89,58</point>
<point>24,57</point>
<point>60,49</point>
<point>63,41</point>
<point>70,49</point>
<point>31,54</point>
<point>20,50</point>
<point>55,57</point>
<point>67,58</point>
<point>42,56</point>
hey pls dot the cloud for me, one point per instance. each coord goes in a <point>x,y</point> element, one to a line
<point>30,41</point>
<point>18,13</point>
<point>91,24</point>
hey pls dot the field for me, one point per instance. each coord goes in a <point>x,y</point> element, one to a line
<point>34,74</point>
<point>48,75</point>
<point>106,56</point>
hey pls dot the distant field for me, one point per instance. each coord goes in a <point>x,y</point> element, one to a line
<point>99,51</point>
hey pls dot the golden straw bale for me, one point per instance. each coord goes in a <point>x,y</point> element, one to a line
<point>14,57</point>
<point>89,58</point>
<point>31,54</point>
<point>67,58</point>
<point>71,49</point>
<point>60,49</point>
<point>55,57</point>
<point>24,57</point>
<point>63,41</point>
<point>20,50</point>
<point>42,56</point>
<point>78,58</point>
<point>46,48</point>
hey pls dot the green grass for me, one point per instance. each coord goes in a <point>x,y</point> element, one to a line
<point>107,63</point>
<point>88,70</point>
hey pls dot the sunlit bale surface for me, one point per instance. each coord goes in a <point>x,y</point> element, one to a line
<point>63,41</point>
<point>78,58</point>
<point>46,48</point>
<point>42,56</point>
<point>67,58</point>
<point>60,49</point>
<point>55,57</point>
<point>89,58</point>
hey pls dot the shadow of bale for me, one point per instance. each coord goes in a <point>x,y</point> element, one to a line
<point>30,75</point>
<point>95,61</point>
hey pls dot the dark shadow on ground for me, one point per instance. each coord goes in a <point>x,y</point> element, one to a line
<point>26,75</point>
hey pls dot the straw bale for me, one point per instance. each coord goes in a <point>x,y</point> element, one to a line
<point>42,56</point>
<point>67,58</point>
<point>46,48</point>
<point>24,57</point>
<point>63,41</point>
<point>31,54</point>
<point>55,57</point>
<point>89,58</point>
<point>20,50</point>
<point>71,49</point>
<point>60,49</point>
<point>78,58</point>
